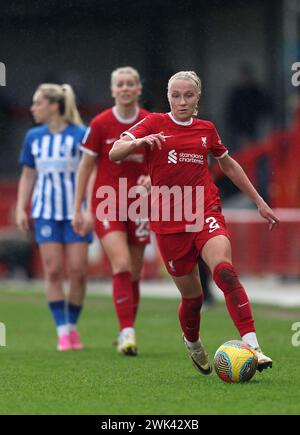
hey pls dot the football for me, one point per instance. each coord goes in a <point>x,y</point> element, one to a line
<point>235,362</point>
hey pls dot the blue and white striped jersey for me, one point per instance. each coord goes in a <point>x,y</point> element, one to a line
<point>55,156</point>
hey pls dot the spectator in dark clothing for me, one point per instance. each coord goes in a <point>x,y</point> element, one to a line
<point>248,103</point>
<point>6,106</point>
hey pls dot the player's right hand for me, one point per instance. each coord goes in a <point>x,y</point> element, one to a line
<point>151,140</point>
<point>22,221</point>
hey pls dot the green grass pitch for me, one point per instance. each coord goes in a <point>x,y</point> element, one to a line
<point>36,379</point>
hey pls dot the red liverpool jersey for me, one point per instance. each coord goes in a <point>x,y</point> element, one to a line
<point>103,131</point>
<point>181,163</point>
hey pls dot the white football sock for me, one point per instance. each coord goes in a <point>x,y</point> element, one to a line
<point>193,345</point>
<point>62,330</point>
<point>251,339</point>
<point>127,331</point>
<point>72,327</point>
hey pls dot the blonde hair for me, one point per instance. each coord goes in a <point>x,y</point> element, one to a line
<point>65,97</point>
<point>187,75</point>
<point>125,70</point>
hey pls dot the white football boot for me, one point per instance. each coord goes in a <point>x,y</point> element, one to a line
<point>264,362</point>
<point>199,357</point>
<point>127,342</point>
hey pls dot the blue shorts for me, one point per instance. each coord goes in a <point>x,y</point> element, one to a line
<point>51,231</point>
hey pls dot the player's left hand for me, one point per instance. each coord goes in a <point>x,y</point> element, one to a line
<point>267,213</point>
<point>145,181</point>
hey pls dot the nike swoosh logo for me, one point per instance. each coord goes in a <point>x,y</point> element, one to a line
<point>202,370</point>
<point>243,305</point>
<point>121,300</point>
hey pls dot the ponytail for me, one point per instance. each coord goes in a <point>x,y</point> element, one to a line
<point>71,113</point>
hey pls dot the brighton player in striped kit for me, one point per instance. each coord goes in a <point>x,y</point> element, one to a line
<point>50,159</point>
<point>177,147</point>
<point>123,241</point>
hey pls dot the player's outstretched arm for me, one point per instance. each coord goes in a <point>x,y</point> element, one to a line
<point>124,146</point>
<point>235,172</point>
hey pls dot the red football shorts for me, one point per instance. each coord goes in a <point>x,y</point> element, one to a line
<point>138,232</point>
<point>181,251</point>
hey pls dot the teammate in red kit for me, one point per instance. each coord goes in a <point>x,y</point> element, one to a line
<point>177,146</point>
<point>124,240</point>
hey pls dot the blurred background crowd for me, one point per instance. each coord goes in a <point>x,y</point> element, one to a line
<point>243,52</point>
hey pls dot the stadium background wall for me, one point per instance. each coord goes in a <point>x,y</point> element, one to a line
<point>263,252</point>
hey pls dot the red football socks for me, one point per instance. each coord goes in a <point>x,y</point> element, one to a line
<point>189,317</point>
<point>123,299</point>
<point>136,297</point>
<point>236,298</point>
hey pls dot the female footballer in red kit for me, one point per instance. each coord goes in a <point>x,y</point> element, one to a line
<point>124,240</point>
<point>177,146</point>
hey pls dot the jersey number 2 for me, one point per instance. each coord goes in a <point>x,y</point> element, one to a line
<point>213,224</point>
<point>142,229</point>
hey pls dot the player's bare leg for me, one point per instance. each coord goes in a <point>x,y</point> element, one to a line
<point>189,317</point>
<point>217,255</point>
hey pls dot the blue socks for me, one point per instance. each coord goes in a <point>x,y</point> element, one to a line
<point>73,314</point>
<point>57,309</point>
<point>64,321</point>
